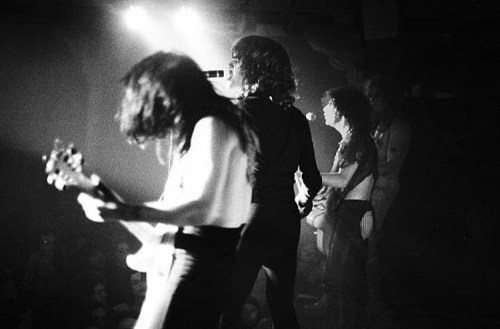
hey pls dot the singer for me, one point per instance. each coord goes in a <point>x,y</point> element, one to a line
<point>261,71</point>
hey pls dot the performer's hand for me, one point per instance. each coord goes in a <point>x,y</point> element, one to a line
<point>103,192</point>
<point>304,208</point>
<point>98,210</point>
<point>91,207</point>
<point>366,224</point>
<point>322,193</point>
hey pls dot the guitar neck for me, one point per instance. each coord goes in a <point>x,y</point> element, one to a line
<point>143,231</point>
<point>64,169</point>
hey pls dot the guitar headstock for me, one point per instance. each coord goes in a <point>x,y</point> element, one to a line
<point>64,166</point>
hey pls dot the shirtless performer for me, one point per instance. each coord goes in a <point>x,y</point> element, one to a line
<point>207,194</point>
<point>353,174</point>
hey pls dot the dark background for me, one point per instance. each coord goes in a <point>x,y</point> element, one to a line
<point>60,63</point>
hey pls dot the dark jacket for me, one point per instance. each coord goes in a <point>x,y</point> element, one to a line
<point>285,146</point>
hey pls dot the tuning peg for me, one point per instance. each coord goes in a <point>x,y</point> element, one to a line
<point>50,179</point>
<point>49,166</point>
<point>59,184</point>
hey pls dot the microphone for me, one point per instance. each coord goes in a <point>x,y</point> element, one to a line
<point>214,73</point>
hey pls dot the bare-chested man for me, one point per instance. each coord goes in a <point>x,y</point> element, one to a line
<point>207,194</point>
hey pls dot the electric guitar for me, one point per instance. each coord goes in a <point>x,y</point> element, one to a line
<point>317,217</point>
<point>64,168</point>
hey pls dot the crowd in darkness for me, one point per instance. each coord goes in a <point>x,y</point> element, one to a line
<point>85,284</point>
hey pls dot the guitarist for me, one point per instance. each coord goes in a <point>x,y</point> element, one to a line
<point>352,178</point>
<point>207,194</point>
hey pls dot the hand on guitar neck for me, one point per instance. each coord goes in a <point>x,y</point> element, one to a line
<point>99,207</point>
<point>64,168</point>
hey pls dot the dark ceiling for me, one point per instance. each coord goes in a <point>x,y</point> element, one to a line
<point>353,32</point>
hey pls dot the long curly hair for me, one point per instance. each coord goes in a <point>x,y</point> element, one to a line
<point>266,69</point>
<point>355,107</point>
<point>167,93</point>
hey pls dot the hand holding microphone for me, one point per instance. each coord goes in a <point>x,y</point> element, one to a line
<point>311,116</point>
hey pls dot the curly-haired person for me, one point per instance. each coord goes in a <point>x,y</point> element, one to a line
<point>261,69</point>
<point>352,178</point>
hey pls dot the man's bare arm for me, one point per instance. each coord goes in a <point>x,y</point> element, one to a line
<point>204,172</point>
<point>341,178</point>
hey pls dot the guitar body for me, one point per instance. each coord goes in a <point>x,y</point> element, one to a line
<point>317,218</point>
<point>323,238</point>
<point>155,256</point>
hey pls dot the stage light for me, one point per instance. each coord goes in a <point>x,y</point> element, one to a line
<point>168,28</point>
<point>140,21</point>
<point>188,20</point>
<point>193,33</point>
<point>137,19</point>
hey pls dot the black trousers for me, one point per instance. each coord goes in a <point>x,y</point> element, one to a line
<point>346,281</point>
<point>269,241</point>
<point>191,294</point>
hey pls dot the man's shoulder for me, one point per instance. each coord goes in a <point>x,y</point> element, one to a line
<point>296,115</point>
<point>211,123</point>
<point>296,111</point>
<point>215,127</point>
<point>253,103</point>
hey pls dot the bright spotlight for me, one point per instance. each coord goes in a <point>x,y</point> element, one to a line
<point>137,19</point>
<point>188,19</point>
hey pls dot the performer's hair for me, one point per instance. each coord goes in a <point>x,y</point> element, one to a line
<point>355,107</point>
<point>266,69</point>
<point>168,93</point>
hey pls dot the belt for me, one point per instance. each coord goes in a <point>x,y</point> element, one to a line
<point>206,239</point>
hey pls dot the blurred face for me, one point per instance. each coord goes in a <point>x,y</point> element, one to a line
<point>122,251</point>
<point>330,112</point>
<point>97,260</point>
<point>376,99</point>
<point>235,79</point>
<point>98,317</point>
<point>138,284</point>
<point>250,314</point>
<point>99,294</point>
